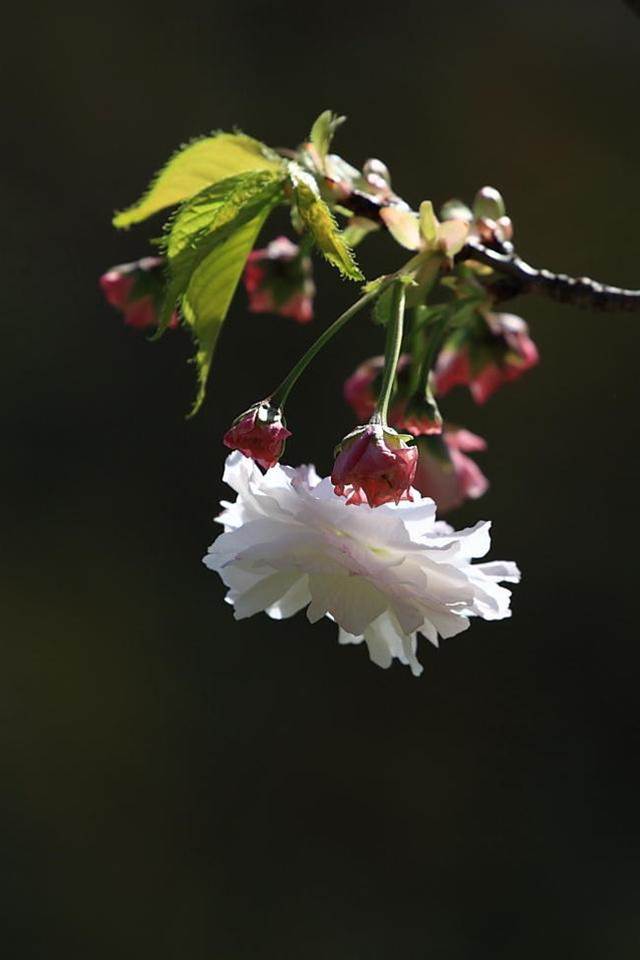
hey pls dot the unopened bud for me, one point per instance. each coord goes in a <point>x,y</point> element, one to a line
<point>137,290</point>
<point>278,280</point>
<point>489,204</point>
<point>505,228</point>
<point>378,170</point>
<point>259,433</point>
<point>487,229</point>
<point>374,464</point>
<point>444,471</point>
<point>455,210</point>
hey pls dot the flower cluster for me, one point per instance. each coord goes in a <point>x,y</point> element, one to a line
<point>279,280</point>
<point>445,472</point>
<point>493,350</point>
<point>382,576</point>
<point>137,289</point>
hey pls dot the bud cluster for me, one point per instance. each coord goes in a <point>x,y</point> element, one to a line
<point>137,290</point>
<point>279,280</point>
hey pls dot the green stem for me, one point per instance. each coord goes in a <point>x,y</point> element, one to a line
<point>280,394</point>
<point>434,336</point>
<point>391,353</point>
<point>417,344</point>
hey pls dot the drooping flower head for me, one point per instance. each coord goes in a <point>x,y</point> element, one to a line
<point>414,415</point>
<point>383,576</point>
<point>137,289</point>
<point>445,472</point>
<point>260,433</point>
<point>494,349</point>
<point>279,280</point>
<point>374,465</point>
<point>361,389</point>
<point>418,416</point>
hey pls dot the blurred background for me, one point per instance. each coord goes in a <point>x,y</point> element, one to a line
<point>175,785</point>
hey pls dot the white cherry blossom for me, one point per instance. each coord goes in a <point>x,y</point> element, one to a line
<point>384,575</point>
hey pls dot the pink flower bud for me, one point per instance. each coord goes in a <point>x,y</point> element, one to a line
<point>361,388</point>
<point>444,471</point>
<point>137,289</point>
<point>419,416</point>
<point>259,433</point>
<point>278,280</point>
<point>486,229</point>
<point>497,350</point>
<point>374,463</point>
<point>504,229</point>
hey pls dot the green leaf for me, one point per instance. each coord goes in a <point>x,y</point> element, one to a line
<point>217,206</point>
<point>207,220</point>
<point>317,218</point>
<point>197,165</point>
<point>207,245</point>
<point>210,291</point>
<point>322,132</point>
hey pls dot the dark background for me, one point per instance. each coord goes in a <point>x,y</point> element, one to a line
<point>176,785</point>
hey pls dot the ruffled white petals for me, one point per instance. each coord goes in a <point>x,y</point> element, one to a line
<point>386,643</point>
<point>500,570</point>
<point>263,594</point>
<point>353,602</point>
<point>472,542</point>
<point>383,575</point>
<point>292,602</point>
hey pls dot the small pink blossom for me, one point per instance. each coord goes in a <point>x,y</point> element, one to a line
<point>419,417</point>
<point>278,280</point>
<point>497,351</point>
<point>361,388</point>
<point>376,465</point>
<point>445,472</point>
<point>259,433</point>
<point>136,289</point>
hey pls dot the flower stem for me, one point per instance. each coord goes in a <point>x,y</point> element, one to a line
<point>434,334</point>
<point>280,394</point>
<point>392,353</point>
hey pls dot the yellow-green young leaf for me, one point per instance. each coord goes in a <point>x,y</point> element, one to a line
<point>217,205</point>
<point>428,223</point>
<point>452,236</point>
<point>403,225</point>
<point>195,166</point>
<point>207,220</point>
<point>210,291</point>
<point>323,130</point>
<point>317,218</point>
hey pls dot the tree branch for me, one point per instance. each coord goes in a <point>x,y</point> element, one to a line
<point>517,276</point>
<point>514,275</point>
